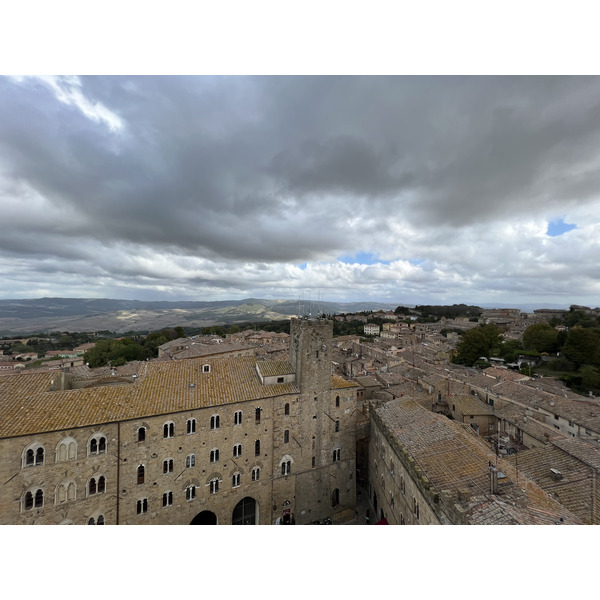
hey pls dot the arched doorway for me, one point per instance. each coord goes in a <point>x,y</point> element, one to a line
<point>245,512</point>
<point>206,517</point>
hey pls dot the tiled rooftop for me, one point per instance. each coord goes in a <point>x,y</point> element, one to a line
<point>27,406</point>
<point>575,490</point>
<point>454,458</point>
<point>273,368</point>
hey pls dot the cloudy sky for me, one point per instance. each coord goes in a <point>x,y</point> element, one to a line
<point>398,189</point>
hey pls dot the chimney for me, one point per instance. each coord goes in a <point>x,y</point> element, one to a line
<point>493,480</point>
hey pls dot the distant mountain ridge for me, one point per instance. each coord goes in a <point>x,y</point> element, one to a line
<point>19,316</point>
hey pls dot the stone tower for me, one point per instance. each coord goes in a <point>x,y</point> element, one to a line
<point>323,424</point>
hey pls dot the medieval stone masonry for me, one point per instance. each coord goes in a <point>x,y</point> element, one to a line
<point>224,440</point>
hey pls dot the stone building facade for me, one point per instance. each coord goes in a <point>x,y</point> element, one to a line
<point>210,440</point>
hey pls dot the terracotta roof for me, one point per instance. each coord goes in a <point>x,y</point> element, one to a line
<point>27,406</point>
<point>575,488</point>
<point>273,368</point>
<point>340,383</point>
<point>454,458</point>
<point>470,405</point>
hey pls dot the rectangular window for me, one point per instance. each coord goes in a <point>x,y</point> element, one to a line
<point>257,448</point>
<point>337,425</point>
<point>257,416</point>
<point>286,436</point>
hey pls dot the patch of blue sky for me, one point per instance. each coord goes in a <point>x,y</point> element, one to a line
<point>363,258</point>
<point>416,261</point>
<point>558,227</point>
<point>302,266</point>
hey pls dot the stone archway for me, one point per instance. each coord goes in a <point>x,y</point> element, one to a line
<point>206,517</point>
<point>245,512</point>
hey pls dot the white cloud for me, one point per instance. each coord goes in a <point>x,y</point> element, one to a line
<point>219,187</point>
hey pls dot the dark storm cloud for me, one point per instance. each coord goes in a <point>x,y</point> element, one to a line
<point>200,160</point>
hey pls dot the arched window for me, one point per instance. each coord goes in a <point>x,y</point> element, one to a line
<point>257,448</point>
<point>215,422</point>
<point>190,492</point>
<point>337,401</point>
<point>167,499</point>
<point>141,471</point>
<point>169,430</point>
<point>191,426</point>
<point>286,436</point>
<point>65,490</point>
<point>235,480</point>
<point>286,408</point>
<point>255,473</point>
<point>336,454</point>
<point>33,499</point>
<point>33,455</point>
<point>168,465</point>
<point>141,434</point>
<point>98,521</point>
<point>96,485</point>
<point>97,444</point>
<point>214,455</point>
<point>237,417</point>
<point>142,506</point>
<point>285,465</point>
<point>214,486</point>
<point>335,498</point>
<point>237,450</point>
<point>66,449</point>
<point>190,461</point>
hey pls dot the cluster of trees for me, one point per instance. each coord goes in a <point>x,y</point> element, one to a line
<point>482,341</point>
<point>116,352</point>
<point>576,352</point>
<point>449,312</point>
<point>40,344</point>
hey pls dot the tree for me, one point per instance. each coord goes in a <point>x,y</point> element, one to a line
<point>590,378</point>
<point>541,338</point>
<point>582,347</point>
<point>476,342</point>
